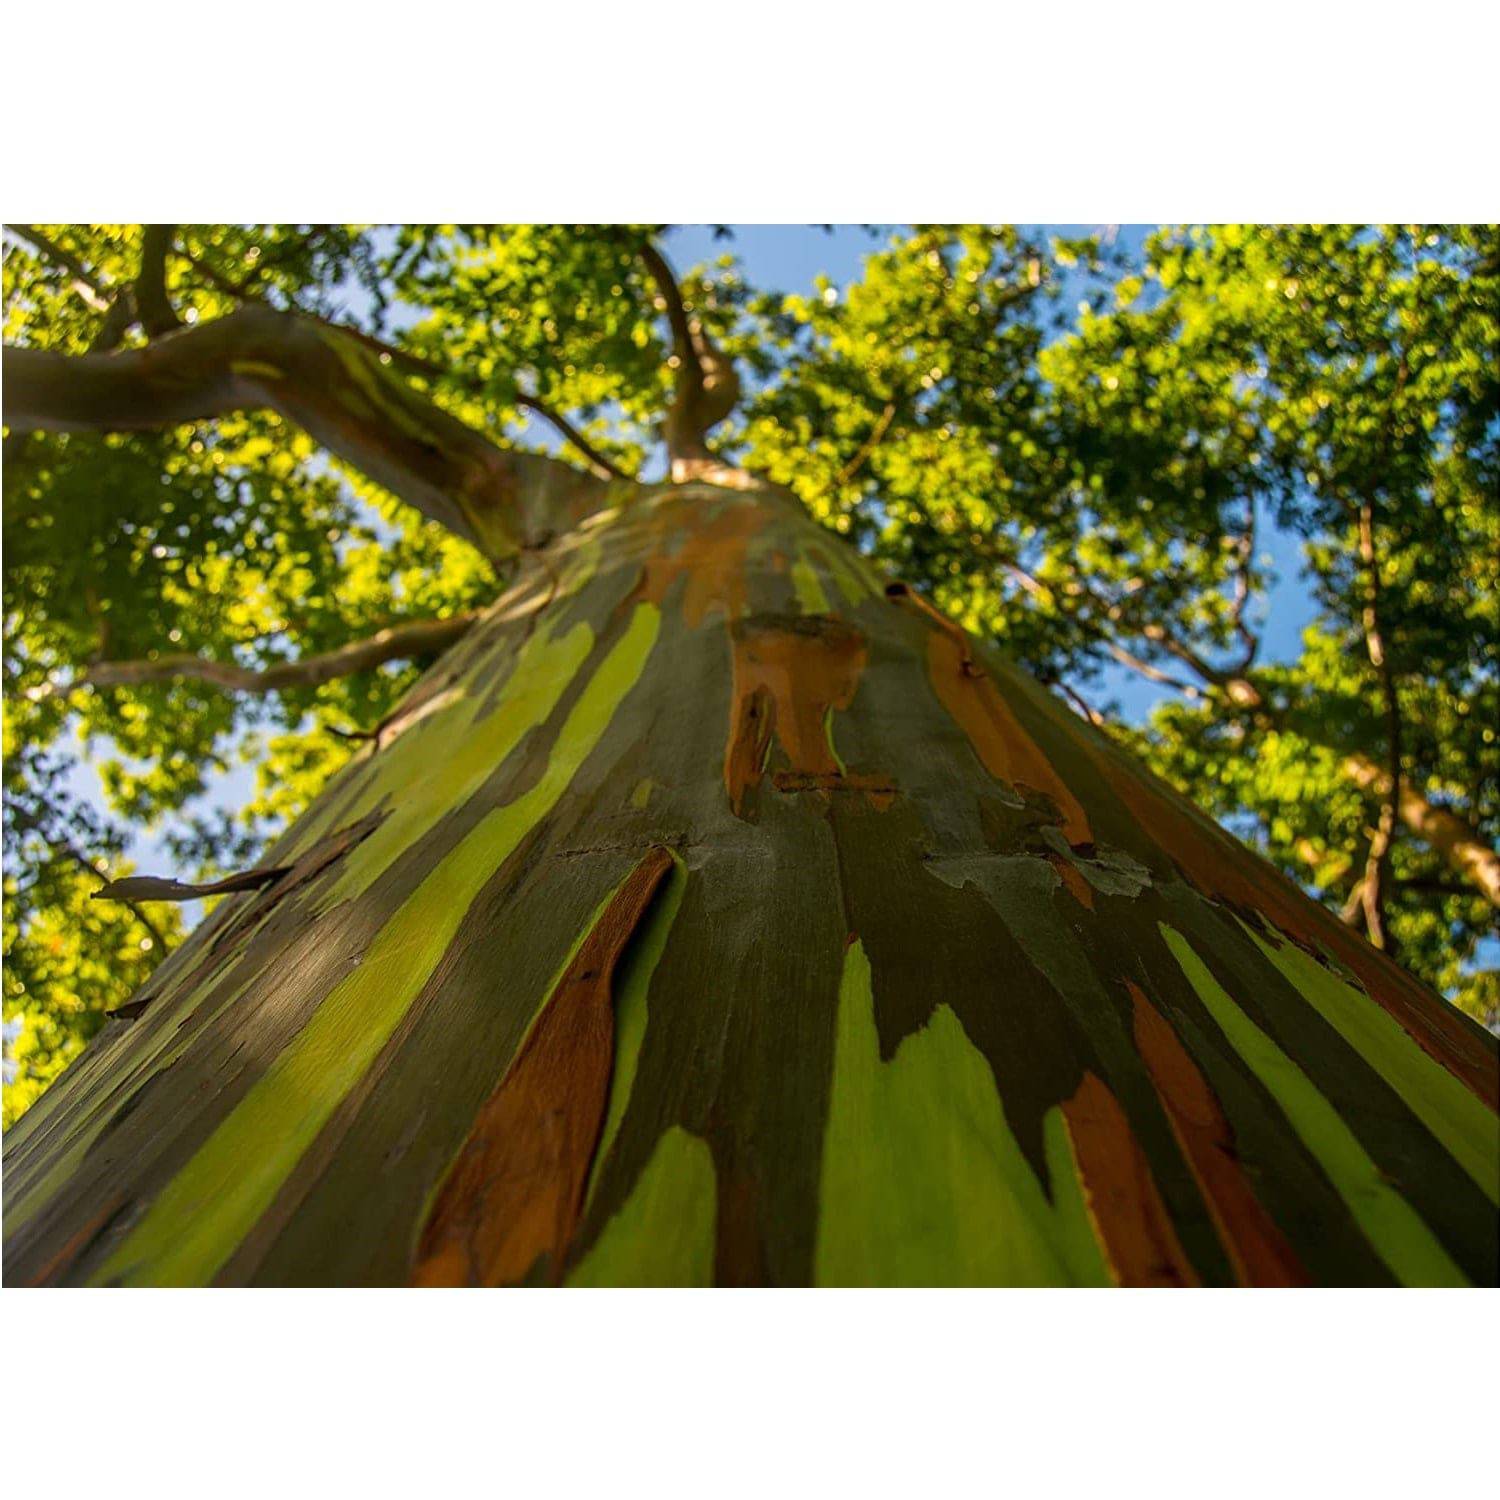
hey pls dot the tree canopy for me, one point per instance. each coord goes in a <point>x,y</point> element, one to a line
<point>1093,490</point>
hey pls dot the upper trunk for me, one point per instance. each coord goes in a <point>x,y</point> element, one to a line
<point>714,913</point>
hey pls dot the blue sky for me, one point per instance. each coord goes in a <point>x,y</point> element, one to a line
<point>790,258</point>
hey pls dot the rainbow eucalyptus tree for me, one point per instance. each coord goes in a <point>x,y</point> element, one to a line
<point>704,905</point>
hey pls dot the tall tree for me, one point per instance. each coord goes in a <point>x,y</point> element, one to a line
<point>713,908</point>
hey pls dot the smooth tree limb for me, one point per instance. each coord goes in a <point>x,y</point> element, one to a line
<point>330,383</point>
<point>394,643</point>
<point>707,387</point>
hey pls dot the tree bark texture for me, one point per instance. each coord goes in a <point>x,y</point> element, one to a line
<point>715,912</point>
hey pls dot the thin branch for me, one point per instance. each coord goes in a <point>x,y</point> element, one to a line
<point>1380,659</point>
<point>94,291</point>
<point>1154,674</point>
<point>669,297</point>
<point>213,276</point>
<point>1083,706</point>
<point>64,849</point>
<point>598,464</point>
<point>394,643</point>
<point>1368,896</point>
<point>1243,578</point>
<point>867,448</point>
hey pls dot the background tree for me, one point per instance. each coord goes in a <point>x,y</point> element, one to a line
<point>1339,383</point>
<point>258,478</point>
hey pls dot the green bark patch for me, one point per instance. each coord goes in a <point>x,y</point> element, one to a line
<point>923,1183</point>
<point>664,1234</point>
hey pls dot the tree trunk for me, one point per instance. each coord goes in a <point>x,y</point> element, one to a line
<point>714,912</point>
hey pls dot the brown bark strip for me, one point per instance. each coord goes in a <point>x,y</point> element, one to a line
<point>57,1265</point>
<point>789,672</point>
<point>975,702</point>
<point>1132,1221</point>
<point>1256,1248</point>
<point>713,559</point>
<point>516,1190</point>
<point>751,726</point>
<point>1220,868</point>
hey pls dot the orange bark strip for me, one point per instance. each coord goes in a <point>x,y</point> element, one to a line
<point>750,729</point>
<point>973,699</point>
<point>58,1264</point>
<point>1220,868</point>
<point>1256,1248</point>
<point>1131,1220</point>
<point>790,671</point>
<point>516,1189</point>
<point>713,559</point>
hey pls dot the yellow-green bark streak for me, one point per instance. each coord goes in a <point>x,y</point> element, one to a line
<point>207,1209</point>
<point>437,766</point>
<point>167,1045</point>
<point>852,578</point>
<point>1389,1222</point>
<point>923,1183</point>
<point>811,598</point>
<point>419,773</point>
<point>1453,1113</point>
<point>663,1234</point>
<point>632,985</point>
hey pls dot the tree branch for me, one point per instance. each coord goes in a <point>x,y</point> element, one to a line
<point>1380,660</point>
<point>152,305</point>
<point>416,364</point>
<point>866,448</point>
<point>707,387</point>
<point>394,643</point>
<point>1444,831</point>
<point>328,382</point>
<point>598,465</point>
<point>90,287</point>
<point>62,848</point>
